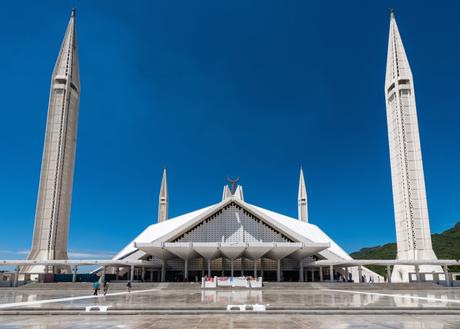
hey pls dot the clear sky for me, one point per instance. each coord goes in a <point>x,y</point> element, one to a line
<point>214,88</point>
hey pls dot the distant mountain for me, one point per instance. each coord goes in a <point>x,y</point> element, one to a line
<point>446,245</point>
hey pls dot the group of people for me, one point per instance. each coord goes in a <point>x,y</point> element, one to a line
<point>96,287</point>
<point>105,287</point>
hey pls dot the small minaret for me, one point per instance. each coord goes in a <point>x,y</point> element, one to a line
<point>163,199</point>
<point>302,199</point>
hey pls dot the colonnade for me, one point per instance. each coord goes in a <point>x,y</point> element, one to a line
<point>325,272</point>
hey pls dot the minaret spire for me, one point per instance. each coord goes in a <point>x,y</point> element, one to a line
<point>52,215</point>
<point>302,199</point>
<point>409,195</point>
<point>163,202</point>
<point>392,13</point>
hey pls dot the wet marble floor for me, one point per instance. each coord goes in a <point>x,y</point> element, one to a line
<point>233,322</point>
<point>193,298</point>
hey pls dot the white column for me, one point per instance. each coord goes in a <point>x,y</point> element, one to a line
<point>255,268</point>
<point>301,270</point>
<point>360,274</point>
<point>346,273</point>
<point>131,277</point>
<point>278,270</point>
<point>388,274</point>
<point>231,264</point>
<point>417,273</point>
<point>103,274</point>
<point>118,273</point>
<point>209,267</point>
<point>163,270</point>
<point>74,273</point>
<point>143,273</point>
<point>321,273</point>
<point>446,275</point>
<point>331,273</point>
<point>186,269</point>
<point>16,277</point>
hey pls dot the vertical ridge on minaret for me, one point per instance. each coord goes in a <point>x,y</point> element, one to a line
<point>302,199</point>
<point>408,182</point>
<point>56,178</point>
<point>163,199</point>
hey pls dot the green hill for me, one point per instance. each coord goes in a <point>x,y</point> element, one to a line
<point>446,245</point>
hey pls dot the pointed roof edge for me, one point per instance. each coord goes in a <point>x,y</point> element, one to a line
<point>74,10</point>
<point>201,217</point>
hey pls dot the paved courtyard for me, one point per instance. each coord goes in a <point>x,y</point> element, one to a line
<point>220,321</point>
<point>183,307</point>
<point>290,298</point>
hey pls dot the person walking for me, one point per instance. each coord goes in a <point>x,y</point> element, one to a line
<point>105,287</point>
<point>95,287</point>
<point>128,285</point>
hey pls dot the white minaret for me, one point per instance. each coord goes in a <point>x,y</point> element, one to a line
<point>409,197</point>
<point>302,199</point>
<point>163,199</point>
<point>52,215</point>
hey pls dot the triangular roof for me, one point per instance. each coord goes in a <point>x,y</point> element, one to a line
<point>292,228</point>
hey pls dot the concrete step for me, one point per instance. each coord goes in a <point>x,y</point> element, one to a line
<point>113,285</point>
<point>353,286</point>
<point>121,285</point>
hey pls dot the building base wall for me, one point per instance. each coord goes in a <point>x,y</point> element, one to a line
<point>403,273</point>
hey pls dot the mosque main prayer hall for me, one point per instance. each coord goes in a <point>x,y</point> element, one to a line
<point>234,237</point>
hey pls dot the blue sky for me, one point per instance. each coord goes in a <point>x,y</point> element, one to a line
<point>214,88</point>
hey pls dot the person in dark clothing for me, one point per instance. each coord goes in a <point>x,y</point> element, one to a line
<point>105,287</point>
<point>95,287</point>
<point>128,285</point>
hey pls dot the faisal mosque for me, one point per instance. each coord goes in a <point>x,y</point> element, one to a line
<point>234,237</point>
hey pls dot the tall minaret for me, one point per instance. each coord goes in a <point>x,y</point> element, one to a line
<point>409,196</point>
<point>55,194</point>
<point>163,199</point>
<point>302,199</point>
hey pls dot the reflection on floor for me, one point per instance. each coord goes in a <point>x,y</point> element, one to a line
<point>190,298</point>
